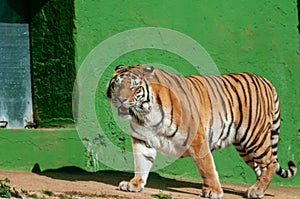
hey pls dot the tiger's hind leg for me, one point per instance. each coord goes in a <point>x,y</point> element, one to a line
<point>248,159</point>
<point>263,163</point>
<point>262,183</point>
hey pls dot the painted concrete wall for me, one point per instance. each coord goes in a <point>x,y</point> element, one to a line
<point>253,36</point>
<point>50,149</point>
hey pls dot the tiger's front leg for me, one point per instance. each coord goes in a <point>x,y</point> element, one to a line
<point>201,154</point>
<point>144,157</point>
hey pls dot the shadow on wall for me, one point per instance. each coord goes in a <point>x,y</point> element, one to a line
<point>26,9</point>
<point>115,177</point>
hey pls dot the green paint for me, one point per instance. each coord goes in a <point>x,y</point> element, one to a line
<point>22,149</point>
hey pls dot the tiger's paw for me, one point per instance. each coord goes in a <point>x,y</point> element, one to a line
<point>134,185</point>
<point>212,194</point>
<point>254,192</point>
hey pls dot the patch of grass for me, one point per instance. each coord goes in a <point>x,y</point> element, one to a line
<point>62,196</point>
<point>161,195</point>
<point>95,195</point>
<point>6,191</point>
<point>34,195</point>
<point>48,193</point>
<point>24,191</point>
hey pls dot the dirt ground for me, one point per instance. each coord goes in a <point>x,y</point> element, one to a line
<point>80,184</point>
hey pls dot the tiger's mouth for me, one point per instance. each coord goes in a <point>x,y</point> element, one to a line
<point>122,110</point>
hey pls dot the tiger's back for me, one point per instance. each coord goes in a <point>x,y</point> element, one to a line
<point>229,107</point>
<point>237,108</point>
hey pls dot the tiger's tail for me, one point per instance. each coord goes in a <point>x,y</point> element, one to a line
<point>291,171</point>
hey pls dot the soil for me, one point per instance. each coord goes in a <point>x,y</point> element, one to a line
<point>75,183</point>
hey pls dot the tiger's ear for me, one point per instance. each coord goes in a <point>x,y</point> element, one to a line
<point>148,69</point>
<point>119,69</point>
<point>119,66</point>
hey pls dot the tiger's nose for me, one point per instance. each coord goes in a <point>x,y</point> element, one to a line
<point>122,100</point>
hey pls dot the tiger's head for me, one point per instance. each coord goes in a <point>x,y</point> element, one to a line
<point>128,90</point>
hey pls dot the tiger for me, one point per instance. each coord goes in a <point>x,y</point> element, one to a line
<point>195,115</point>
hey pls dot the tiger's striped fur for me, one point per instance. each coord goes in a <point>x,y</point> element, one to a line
<point>195,115</point>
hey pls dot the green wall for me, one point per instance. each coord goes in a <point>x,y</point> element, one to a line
<point>50,149</point>
<point>53,61</point>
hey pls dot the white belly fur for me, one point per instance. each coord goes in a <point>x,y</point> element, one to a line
<point>158,139</point>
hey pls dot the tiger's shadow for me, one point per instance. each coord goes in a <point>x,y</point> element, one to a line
<point>115,177</point>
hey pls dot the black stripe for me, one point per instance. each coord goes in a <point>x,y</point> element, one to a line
<point>276,119</point>
<point>156,76</point>
<point>275,132</point>
<point>182,89</point>
<point>166,77</point>
<point>149,158</point>
<point>188,98</point>
<point>222,127</point>
<point>187,138</point>
<point>212,90</point>
<point>249,98</point>
<point>279,171</point>
<point>197,84</point>
<point>211,122</point>
<point>241,113</point>
<point>147,145</point>
<point>147,89</point>
<point>292,167</point>
<point>241,84</point>
<point>263,154</point>
<point>274,146</point>
<point>190,84</point>
<point>159,102</point>
<point>264,96</point>
<point>253,144</point>
<point>252,141</point>
<point>249,161</point>
<point>230,101</point>
<point>244,154</point>
<point>240,150</point>
<point>257,116</point>
<point>239,103</point>
<point>142,142</point>
<point>172,110</point>
<point>133,129</point>
<point>292,172</point>
<point>222,95</point>
<point>174,133</point>
<point>196,78</point>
